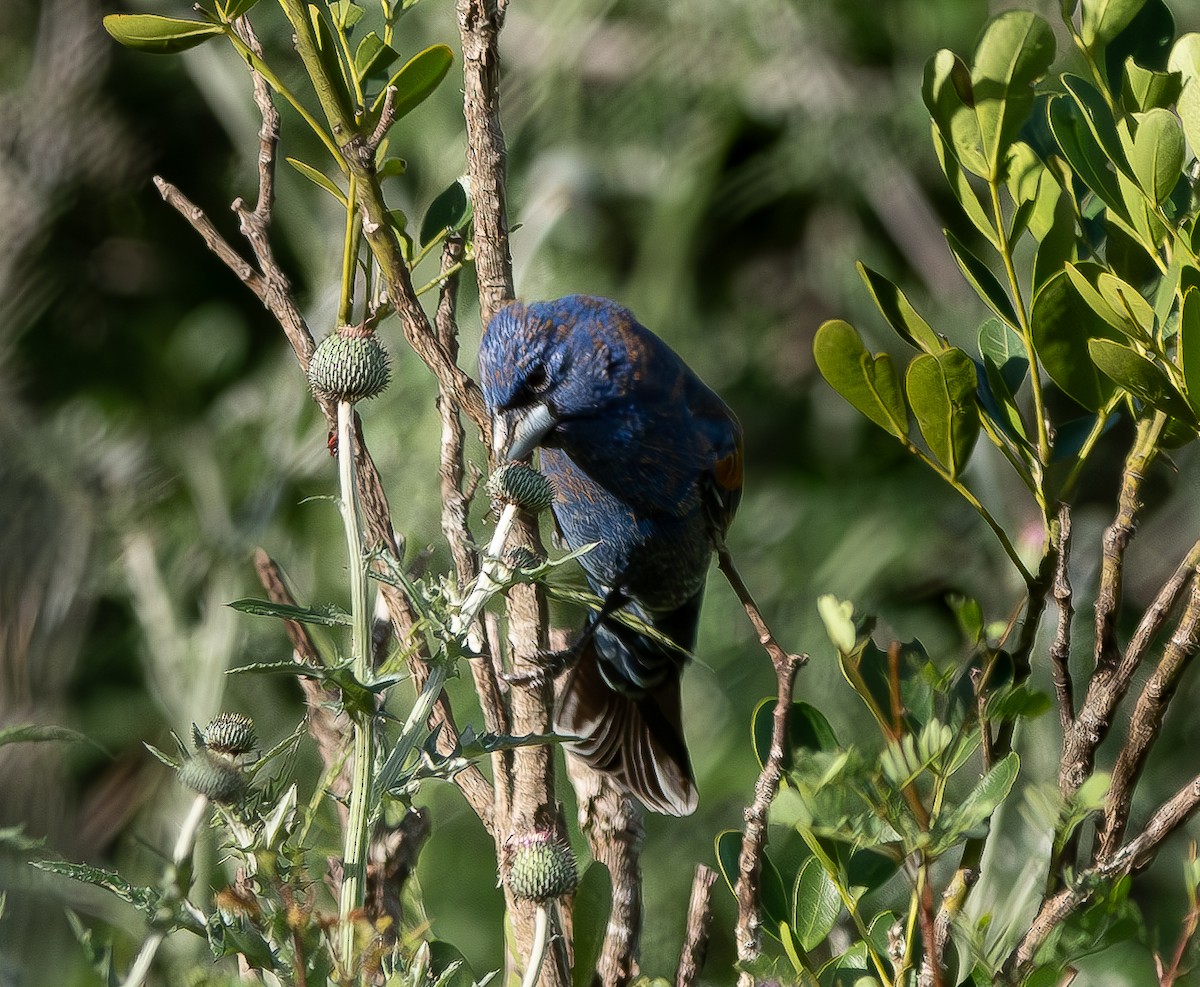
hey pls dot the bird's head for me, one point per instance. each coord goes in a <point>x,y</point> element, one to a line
<point>548,363</point>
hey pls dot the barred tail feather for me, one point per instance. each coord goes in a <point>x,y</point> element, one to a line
<point>638,741</point>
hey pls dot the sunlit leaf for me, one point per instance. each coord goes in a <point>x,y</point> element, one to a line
<point>159,35</point>
<point>1083,152</point>
<point>899,312</point>
<point>1103,20</point>
<point>966,193</point>
<point>417,79</point>
<point>1140,376</point>
<point>1143,89</point>
<point>1157,153</point>
<point>373,56</point>
<point>946,89</point>
<point>869,383</point>
<point>318,178</point>
<point>239,8</point>
<point>1185,59</point>
<point>1134,314</point>
<point>941,391</point>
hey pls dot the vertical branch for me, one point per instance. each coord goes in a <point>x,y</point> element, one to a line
<point>1060,650</point>
<point>699,921</point>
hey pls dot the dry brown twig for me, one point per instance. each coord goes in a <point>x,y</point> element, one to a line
<point>699,923</point>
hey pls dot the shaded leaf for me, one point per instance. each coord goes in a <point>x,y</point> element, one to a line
<point>728,845</point>
<point>899,312</point>
<point>450,210</point>
<point>1082,151</point>
<point>33,733</point>
<point>816,905</point>
<point>869,383</point>
<point>1062,324</point>
<point>1188,355</point>
<point>593,902</point>
<point>981,278</point>
<point>941,391</point>
<point>144,899</point>
<point>159,35</point>
<point>1140,376</point>
<point>373,56</point>
<point>980,803</point>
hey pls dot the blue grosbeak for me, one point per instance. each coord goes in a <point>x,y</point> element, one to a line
<point>646,462</point>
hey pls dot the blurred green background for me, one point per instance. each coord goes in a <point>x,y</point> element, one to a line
<point>717,166</point>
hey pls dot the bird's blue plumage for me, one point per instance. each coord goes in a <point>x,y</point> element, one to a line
<point>646,462</point>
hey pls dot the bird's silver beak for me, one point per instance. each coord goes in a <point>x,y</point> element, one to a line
<point>515,434</point>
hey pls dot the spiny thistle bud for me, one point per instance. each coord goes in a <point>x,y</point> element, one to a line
<point>212,777</point>
<point>350,364</point>
<point>523,557</point>
<point>230,734</point>
<point>520,484</point>
<point>540,866</point>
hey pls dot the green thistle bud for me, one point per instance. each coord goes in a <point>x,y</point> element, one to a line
<point>517,483</point>
<point>523,557</point>
<point>350,364</point>
<point>540,866</point>
<point>230,734</point>
<point>213,777</point>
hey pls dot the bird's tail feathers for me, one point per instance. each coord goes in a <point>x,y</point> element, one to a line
<point>638,740</point>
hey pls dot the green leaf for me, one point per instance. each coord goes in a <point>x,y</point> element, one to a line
<point>1157,153</point>
<point>1134,316</point>
<point>450,210</point>
<point>1057,245</point>
<point>1188,355</point>
<point>1185,59</point>
<point>809,729</point>
<point>1140,376</point>
<point>1000,342</point>
<point>728,845</point>
<point>816,905</point>
<point>33,733</point>
<point>417,79</point>
<point>144,899</point>
<point>979,805</point>
<point>318,178</point>
<point>967,195</point>
<point>159,35</point>
<point>1103,20</point>
<point>328,52</point>
<point>899,312</point>
<point>329,615</point>
<point>981,278</point>
<point>593,902</point>
<point>869,383</point>
<point>1143,89</point>
<point>1098,116</point>
<point>1014,51</point>
<point>373,56</point>
<point>345,13</point>
<point>1062,324</point>
<point>946,89</point>
<point>941,391</point>
<point>238,8</point>
<point>1083,152</point>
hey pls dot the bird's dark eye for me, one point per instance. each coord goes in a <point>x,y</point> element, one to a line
<point>535,380</point>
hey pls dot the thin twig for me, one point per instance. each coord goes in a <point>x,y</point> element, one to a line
<point>1060,650</point>
<point>699,922</point>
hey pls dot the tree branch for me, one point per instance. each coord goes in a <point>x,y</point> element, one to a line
<point>699,921</point>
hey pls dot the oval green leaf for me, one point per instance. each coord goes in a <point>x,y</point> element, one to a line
<point>1189,346</point>
<point>946,89</point>
<point>1143,89</point>
<point>816,905</point>
<point>450,210</point>
<point>318,178</point>
<point>1185,59</point>
<point>1103,20</point>
<point>981,278</point>
<point>237,8</point>
<point>869,383</point>
<point>417,79</point>
<point>1134,315</point>
<point>1157,153</point>
<point>899,312</point>
<point>159,35</point>
<point>941,390</point>
<point>1083,152</point>
<point>1141,377</point>
<point>1062,324</point>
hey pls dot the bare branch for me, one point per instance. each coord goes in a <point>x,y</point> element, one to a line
<point>699,921</point>
<point>1060,650</point>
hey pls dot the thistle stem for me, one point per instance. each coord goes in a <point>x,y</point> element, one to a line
<point>537,951</point>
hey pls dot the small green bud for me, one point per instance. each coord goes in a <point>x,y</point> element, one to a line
<point>230,734</point>
<point>520,484</point>
<point>350,364</point>
<point>540,866</point>
<point>213,777</point>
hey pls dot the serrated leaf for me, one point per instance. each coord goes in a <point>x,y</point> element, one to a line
<point>450,210</point>
<point>159,35</point>
<point>869,383</point>
<point>1015,49</point>
<point>981,278</point>
<point>416,80</point>
<point>1103,20</point>
<point>1140,376</point>
<point>1185,59</point>
<point>318,178</point>
<point>816,905</point>
<point>1062,324</point>
<point>144,899</point>
<point>329,615</point>
<point>941,392</point>
<point>946,90</point>
<point>899,312</point>
<point>1157,153</point>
